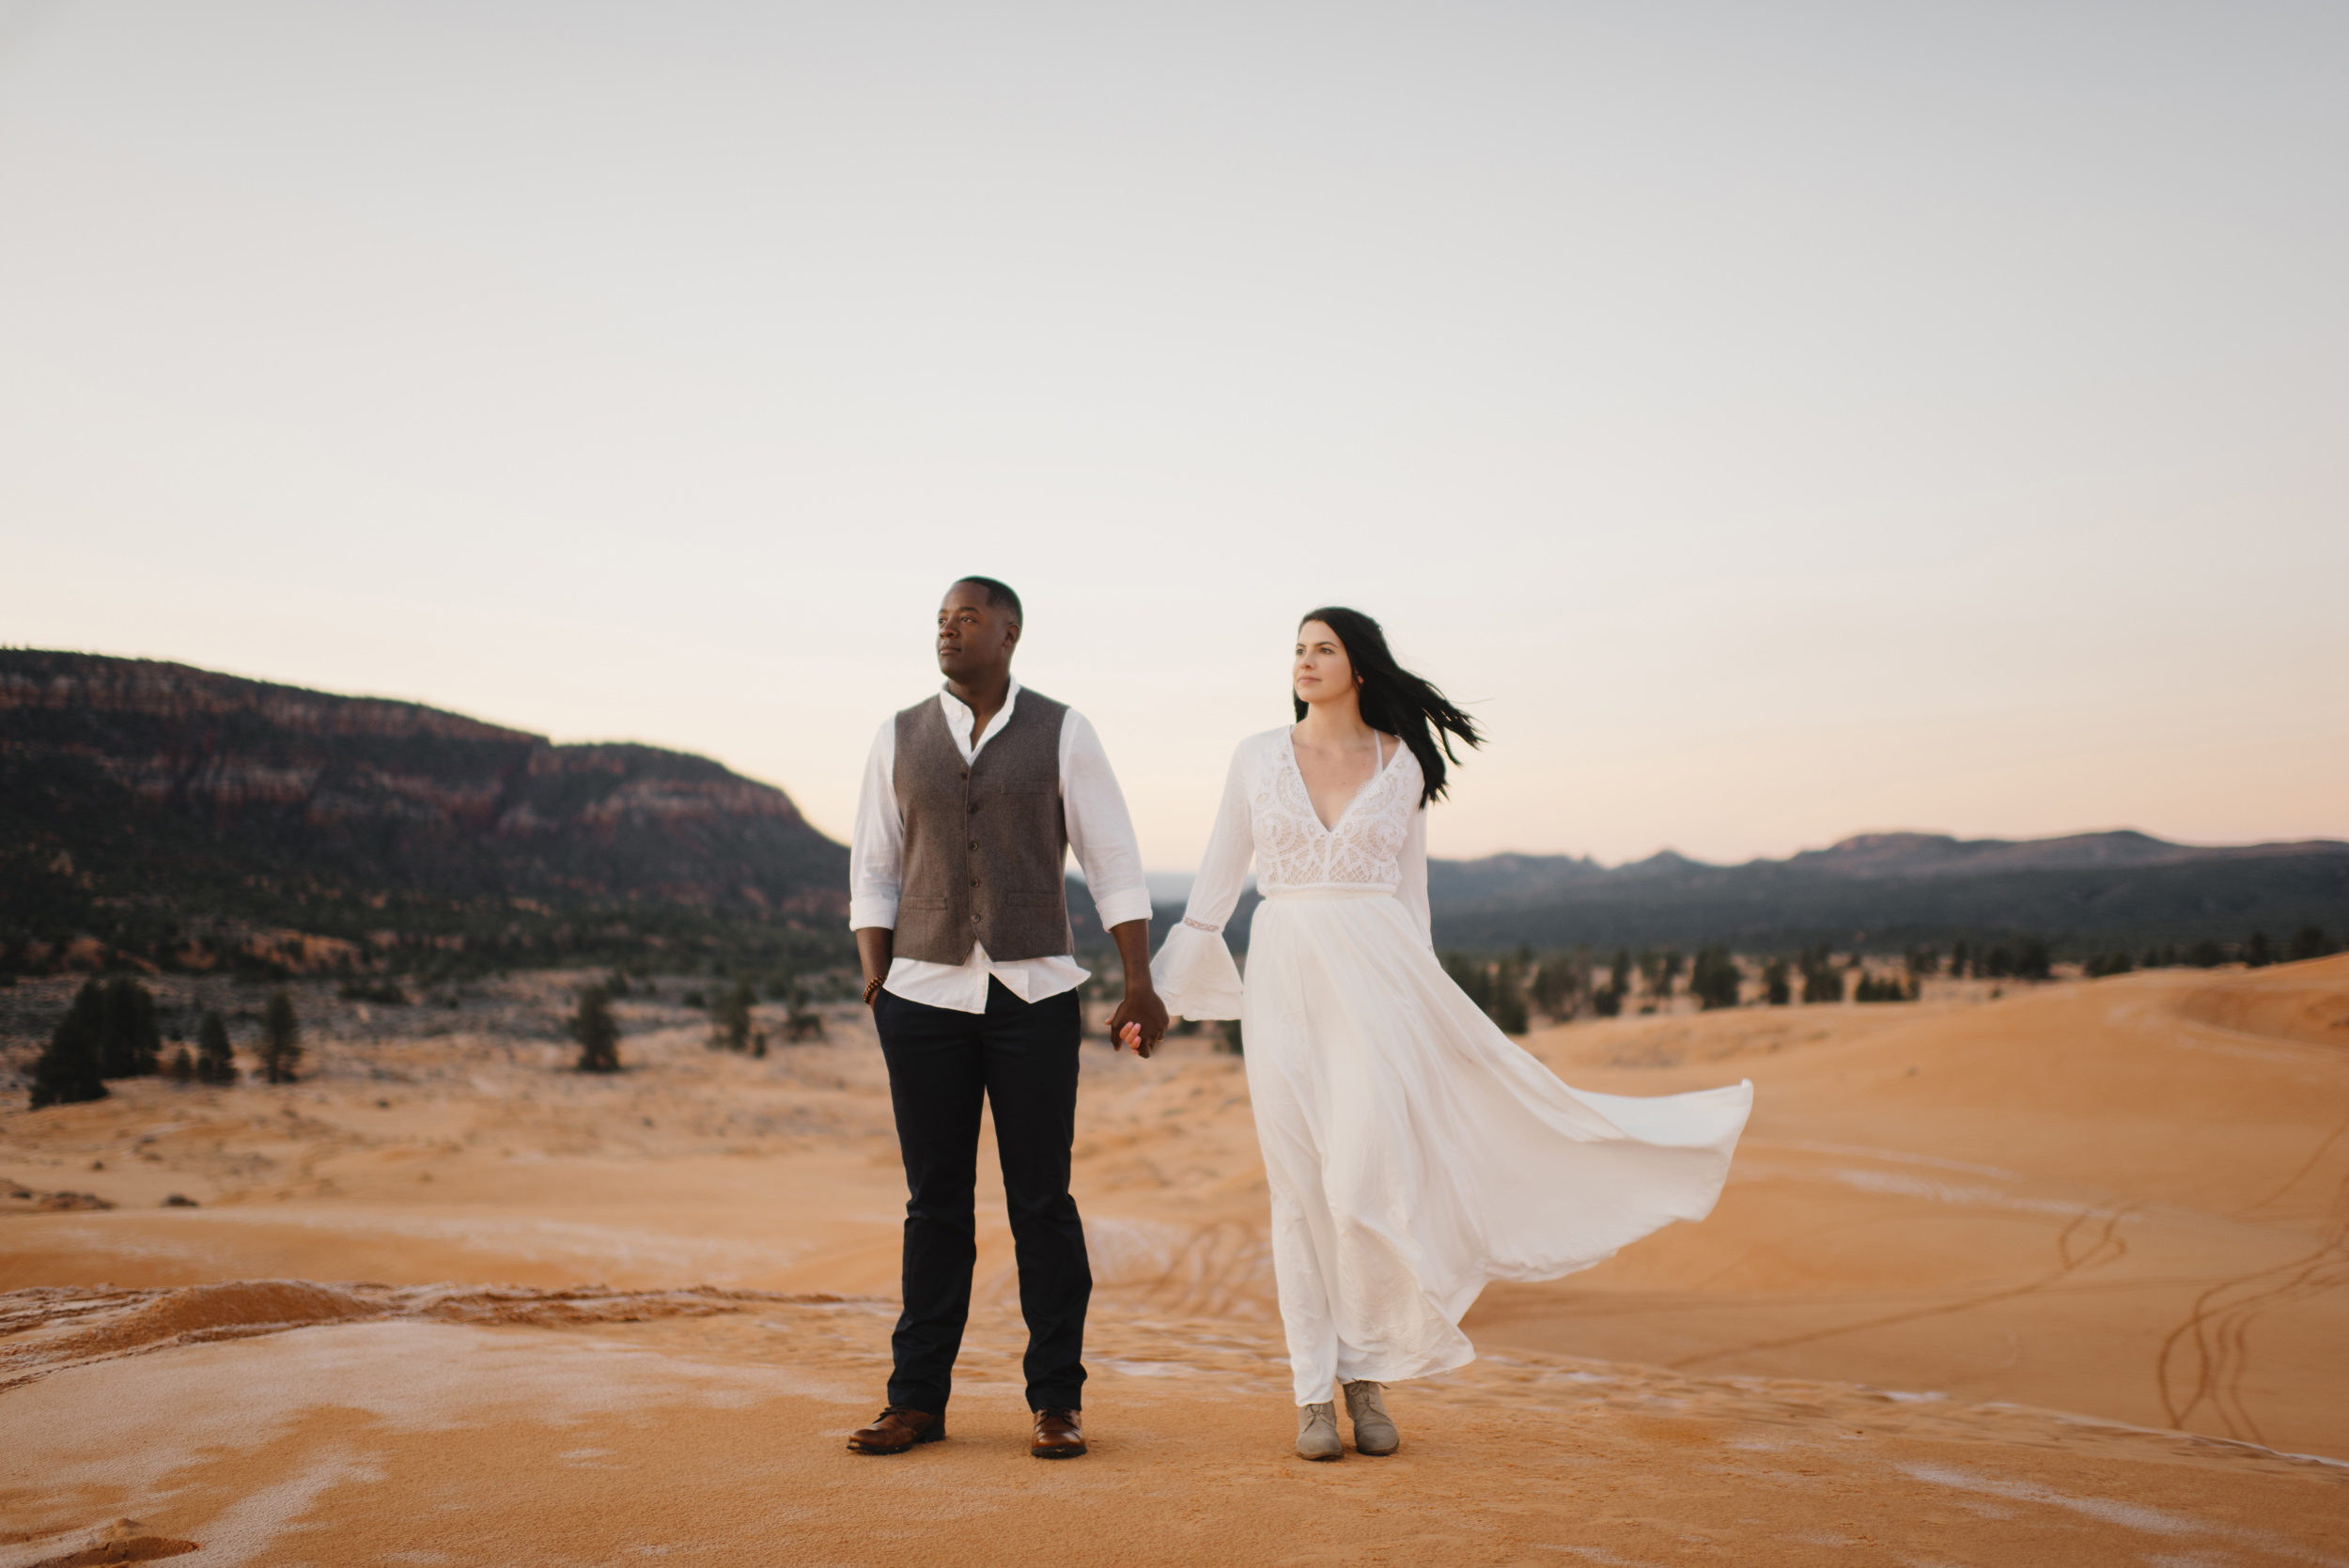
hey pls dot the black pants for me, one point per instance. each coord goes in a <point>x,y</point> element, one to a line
<point>1022,1058</point>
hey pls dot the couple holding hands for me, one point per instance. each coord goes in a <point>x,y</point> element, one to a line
<point>1413,1152</point>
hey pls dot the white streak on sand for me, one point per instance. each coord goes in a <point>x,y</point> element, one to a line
<point>250,1524</point>
<point>2130,1515</point>
<point>1894,1184</point>
<point>97,1425</point>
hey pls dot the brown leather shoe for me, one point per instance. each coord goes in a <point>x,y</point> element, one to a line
<point>1057,1435</point>
<point>895,1429</point>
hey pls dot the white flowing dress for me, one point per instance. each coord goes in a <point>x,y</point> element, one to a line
<point>1413,1151</point>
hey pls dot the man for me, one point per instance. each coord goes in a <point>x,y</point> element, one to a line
<point>972,800</point>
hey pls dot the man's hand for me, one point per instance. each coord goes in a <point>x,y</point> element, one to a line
<point>1140,1020</point>
<point>874,945</point>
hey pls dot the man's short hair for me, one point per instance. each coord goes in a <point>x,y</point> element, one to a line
<point>999,596</point>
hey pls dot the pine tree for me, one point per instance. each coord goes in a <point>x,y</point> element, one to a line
<point>1507,1010</point>
<point>1821,980</point>
<point>2031,961</point>
<point>802,1022</point>
<point>1714,982</point>
<point>216,1060</point>
<point>68,1071</point>
<point>1775,990</point>
<point>1475,981</point>
<point>182,1066</point>
<point>129,1044</point>
<point>2309,941</point>
<point>2259,952</point>
<point>281,1039</point>
<point>1607,1003</point>
<point>598,1034</point>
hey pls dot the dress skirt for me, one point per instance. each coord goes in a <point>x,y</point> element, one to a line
<point>1414,1152</point>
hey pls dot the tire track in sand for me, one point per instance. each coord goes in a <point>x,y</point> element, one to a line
<point>2090,1240</point>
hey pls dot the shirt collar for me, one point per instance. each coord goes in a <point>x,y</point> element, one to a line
<point>960,719</point>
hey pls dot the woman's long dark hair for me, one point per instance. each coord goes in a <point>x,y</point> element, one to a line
<point>1396,701</point>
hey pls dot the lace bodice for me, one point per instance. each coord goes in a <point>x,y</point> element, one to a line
<point>1380,845</point>
<point>1295,851</point>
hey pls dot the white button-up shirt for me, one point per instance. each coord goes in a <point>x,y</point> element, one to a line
<point>1099,830</point>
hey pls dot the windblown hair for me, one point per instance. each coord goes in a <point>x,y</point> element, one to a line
<point>1396,701</point>
<point>999,596</point>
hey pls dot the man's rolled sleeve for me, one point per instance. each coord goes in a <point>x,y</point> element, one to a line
<point>876,846</point>
<point>1100,831</point>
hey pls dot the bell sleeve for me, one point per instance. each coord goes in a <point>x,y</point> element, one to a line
<point>1193,971</point>
<point>1412,890</point>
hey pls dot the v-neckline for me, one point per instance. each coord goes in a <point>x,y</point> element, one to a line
<point>1386,761</point>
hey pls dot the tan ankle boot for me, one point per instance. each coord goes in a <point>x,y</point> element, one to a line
<point>1318,1432</point>
<point>1374,1430</point>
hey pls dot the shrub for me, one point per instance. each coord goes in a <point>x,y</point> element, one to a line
<point>281,1039</point>
<point>1889,988</point>
<point>182,1066</point>
<point>1231,1041</point>
<point>598,1035</point>
<point>2259,952</point>
<point>730,1020</point>
<point>2106,963</point>
<point>2206,955</point>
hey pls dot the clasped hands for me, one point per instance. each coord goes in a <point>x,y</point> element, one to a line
<point>1140,1022</point>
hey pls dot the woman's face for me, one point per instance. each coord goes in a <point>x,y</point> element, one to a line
<point>1322,672</point>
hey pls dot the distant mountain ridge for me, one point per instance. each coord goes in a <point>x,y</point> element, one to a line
<point>141,799</point>
<point>1881,888</point>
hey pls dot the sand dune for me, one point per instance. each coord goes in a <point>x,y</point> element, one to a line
<point>2057,1278</point>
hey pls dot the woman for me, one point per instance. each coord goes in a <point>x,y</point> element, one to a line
<point>1413,1152</point>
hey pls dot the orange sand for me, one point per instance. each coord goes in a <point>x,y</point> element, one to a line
<point>2126,1200</point>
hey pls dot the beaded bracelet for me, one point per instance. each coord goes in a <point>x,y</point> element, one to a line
<point>872,990</point>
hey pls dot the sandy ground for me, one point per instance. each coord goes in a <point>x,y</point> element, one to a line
<point>2051,1278</point>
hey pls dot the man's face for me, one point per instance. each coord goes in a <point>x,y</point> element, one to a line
<point>974,638</point>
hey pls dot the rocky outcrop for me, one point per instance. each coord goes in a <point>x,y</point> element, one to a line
<point>130,781</point>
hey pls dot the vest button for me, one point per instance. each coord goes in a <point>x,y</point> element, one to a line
<point>975,805</point>
<point>975,881</point>
<point>974,920</point>
<point>975,843</point>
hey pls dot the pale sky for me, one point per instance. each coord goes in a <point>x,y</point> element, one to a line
<point>1774,422</point>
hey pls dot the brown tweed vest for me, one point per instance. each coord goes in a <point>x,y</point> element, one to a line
<point>985,839</point>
